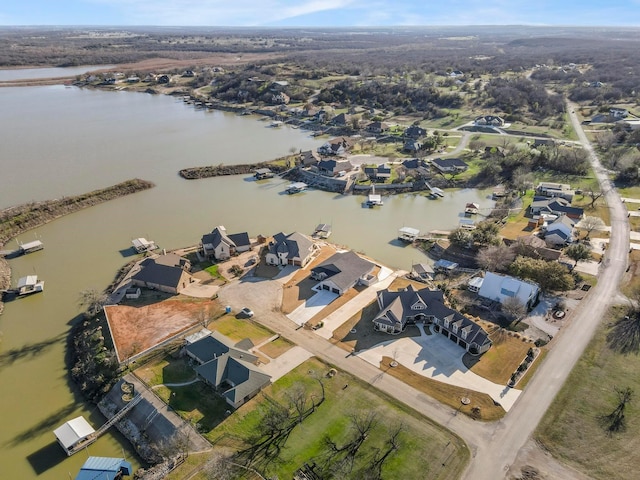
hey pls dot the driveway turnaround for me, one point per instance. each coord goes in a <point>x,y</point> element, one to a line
<point>437,357</point>
<point>312,306</point>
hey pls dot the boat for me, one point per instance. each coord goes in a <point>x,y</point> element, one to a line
<point>276,124</point>
<point>471,209</point>
<point>296,187</point>
<point>142,245</point>
<point>28,285</point>
<point>323,230</point>
<point>408,234</point>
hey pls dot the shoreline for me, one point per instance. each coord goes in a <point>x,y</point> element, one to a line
<point>19,219</point>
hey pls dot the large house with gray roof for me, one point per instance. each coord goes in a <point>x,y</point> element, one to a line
<point>342,271</point>
<point>220,246</point>
<point>168,273</point>
<point>227,367</point>
<point>293,249</point>
<point>398,309</point>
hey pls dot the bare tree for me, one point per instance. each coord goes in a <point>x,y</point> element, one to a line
<point>495,257</point>
<point>513,307</point>
<point>93,301</point>
<point>594,195</point>
<point>614,422</point>
<point>590,224</point>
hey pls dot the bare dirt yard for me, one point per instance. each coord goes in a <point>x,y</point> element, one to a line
<point>135,329</point>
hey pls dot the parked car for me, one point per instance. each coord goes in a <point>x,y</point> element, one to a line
<point>245,313</point>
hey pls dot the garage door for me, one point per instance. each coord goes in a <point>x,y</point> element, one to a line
<point>325,287</point>
<point>335,290</point>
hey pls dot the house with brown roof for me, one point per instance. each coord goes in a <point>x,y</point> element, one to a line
<point>398,309</point>
<point>377,127</point>
<point>336,146</point>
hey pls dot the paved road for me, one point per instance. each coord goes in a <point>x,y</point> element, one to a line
<point>494,456</point>
<point>493,446</point>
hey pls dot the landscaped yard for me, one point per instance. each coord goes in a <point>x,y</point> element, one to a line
<point>448,394</point>
<point>574,428</point>
<point>501,360</point>
<point>441,455</point>
<point>238,329</point>
<point>166,370</point>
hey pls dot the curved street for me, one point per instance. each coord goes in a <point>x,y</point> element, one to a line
<point>493,446</point>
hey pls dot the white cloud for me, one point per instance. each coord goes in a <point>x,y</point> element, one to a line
<point>218,12</point>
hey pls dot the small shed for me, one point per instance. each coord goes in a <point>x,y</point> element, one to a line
<point>474,284</point>
<point>132,292</point>
<point>72,433</point>
<point>445,266</point>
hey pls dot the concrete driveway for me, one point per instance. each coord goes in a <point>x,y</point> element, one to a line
<point>434,356</point>
<point>312,306</point>
<point>279,367</point>
<point>198,290</point>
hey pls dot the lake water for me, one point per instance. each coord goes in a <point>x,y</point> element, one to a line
<point>62,141</point>
<point>51,72</point>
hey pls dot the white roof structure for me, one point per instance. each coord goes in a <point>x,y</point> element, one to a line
<point>72,432</point>
<point>500,287</point>
<point>414,232</point>
<point>31,245</point>
<point>28,280</point>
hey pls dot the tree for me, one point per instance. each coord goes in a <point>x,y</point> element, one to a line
<point>93,301</point>
<point>551,276</point>
<point>614,422</point>
<point>590,224</point>
<point>460,237</point>
<point>513,307</point>
<point>594,195</point>
<point>578,252</point>
<point>495,257</point>
<point>624,336</point>
<point>486,233</point>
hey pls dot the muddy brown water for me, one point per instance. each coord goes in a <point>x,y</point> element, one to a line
<point>62,141</point>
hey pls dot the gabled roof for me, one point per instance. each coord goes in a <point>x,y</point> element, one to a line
<point>449,162</point>
<point>344,269</point>
<point>240,239</point>
<point>104,468</point>
<point>154,272</point>
<point>499,287</point>
<point>171,260</point>
<point>294,245</point>
<point>216,237</point>
<point>72,431</point>
<point>217,345</point>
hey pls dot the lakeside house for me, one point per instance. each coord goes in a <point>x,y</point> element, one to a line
<point>168,273</point>
<point>552,190</point>
<point>221,246</point>
<point>555,206</point>
<point>498,288</point>
<point>449,165</point>
<point>227,367</point>
<point>381,173</point>
<point>333,168</point>
<point>293,249</point>
<point>342,271</point>
<point>336,146</point>
<point>410,306</point>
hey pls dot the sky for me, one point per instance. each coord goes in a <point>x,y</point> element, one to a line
<point>320,13</point>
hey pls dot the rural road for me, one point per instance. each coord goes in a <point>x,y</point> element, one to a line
<point>495,446</point>
<point>494,456</point>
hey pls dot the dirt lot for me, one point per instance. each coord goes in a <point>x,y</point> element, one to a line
<point>135,329</point>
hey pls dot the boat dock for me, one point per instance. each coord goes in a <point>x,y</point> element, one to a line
<point>296,187</point>
<point>374,199</point>
<point>23,249</point>
<point>408,234</point>
<point>142,245</point>
<point>323,230</point>
<point>77,434</point>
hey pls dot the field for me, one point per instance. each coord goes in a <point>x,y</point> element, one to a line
<point>573,428</point>
<point>442,455</point>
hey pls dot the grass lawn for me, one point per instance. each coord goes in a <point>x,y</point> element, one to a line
<point>571,429</point>
<point>238,329</point>
<point>197,404</point>
<point>448,394</point>
<point>166,370</point>
<point>441,454</point>
<point>631,279</point>
<point>213,270</point>
<point>500,361</point>
<point>629,192</point>
<point>276,348</point>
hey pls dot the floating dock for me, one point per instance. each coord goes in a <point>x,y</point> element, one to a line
<point>296,187</point>
<point>142,245</point>
<point>408,234</point>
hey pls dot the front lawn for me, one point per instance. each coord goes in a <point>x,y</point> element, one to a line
<point>238,329</point>
<point>575,429</point>
<point>441,454</point>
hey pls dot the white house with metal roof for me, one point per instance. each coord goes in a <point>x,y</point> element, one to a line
<point>500,287</point>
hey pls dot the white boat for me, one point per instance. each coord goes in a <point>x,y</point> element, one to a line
<point>29,284</point>
<point>296,187</point>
